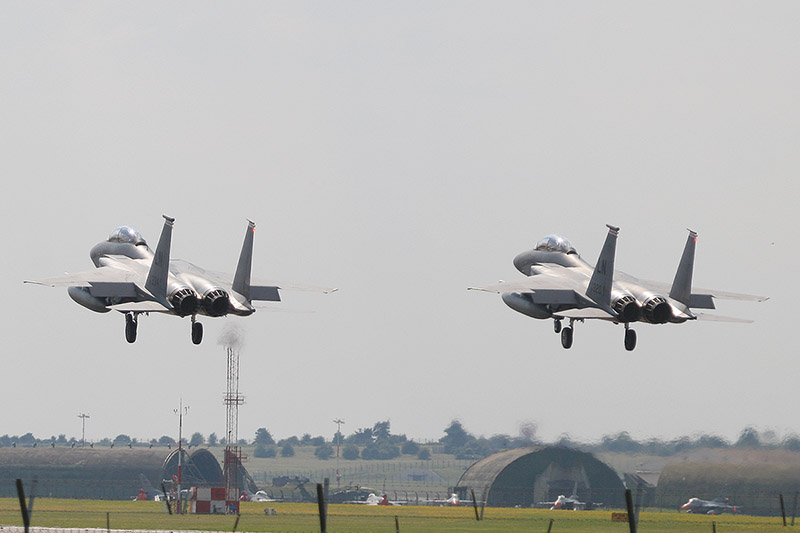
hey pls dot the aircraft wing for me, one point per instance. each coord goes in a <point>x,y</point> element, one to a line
<point>546,290</point>
<point>89,277</point>
<point>536,283</point>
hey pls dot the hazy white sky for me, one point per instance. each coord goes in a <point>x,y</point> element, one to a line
<point>401,152</point>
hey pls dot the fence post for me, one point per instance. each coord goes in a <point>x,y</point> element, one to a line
<point>629,505</point>
<point>794,507</point>
<point>550,527</point>
<point>26,519</point>
<point>783,510</point>
<point>321,505</point>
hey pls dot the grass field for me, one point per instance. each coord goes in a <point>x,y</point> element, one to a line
<point>299,517</point>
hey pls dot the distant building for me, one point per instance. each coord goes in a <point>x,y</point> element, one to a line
<point>524,477</point>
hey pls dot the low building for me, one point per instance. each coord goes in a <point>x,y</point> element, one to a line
<point>108,473</point>
<point>527,477</point>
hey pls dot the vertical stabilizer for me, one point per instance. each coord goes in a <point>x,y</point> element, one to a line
<point>603,277</point>
<point>682,285</point>
<point>241,280</point>
<point>159,270</point>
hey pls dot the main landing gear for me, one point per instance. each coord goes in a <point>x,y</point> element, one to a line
<point>630,338</point>
<point>197,331</point>
<point>131,322</point>
<point>567,332</point>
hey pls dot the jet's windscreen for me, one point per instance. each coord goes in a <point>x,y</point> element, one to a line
<point>555,243</point>
<point>126,235</point>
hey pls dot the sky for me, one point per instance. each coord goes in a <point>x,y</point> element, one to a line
<point>401,152</point>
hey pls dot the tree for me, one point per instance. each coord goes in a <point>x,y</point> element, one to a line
<point>263,451</point>
<point>748,438</point>
<point>317,441</point>
<point>263,436</point>
<point>381,430</point>
<point>361,437</point>
<point>166,440</point>
<point>380,450</point>
<point>287,451</point>
<point>122,440</point>
<point>197,439</point>
<point>621,443</point>
<point>455,437</point>
<point>424,454</point>
<point>350,452</point>
<point>212,439</point>
<point>324,452</point>
<point>791,443</point>
<point>410,448</point>
<point>305,440</point>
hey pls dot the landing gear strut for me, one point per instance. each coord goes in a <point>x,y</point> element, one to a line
<point>630,338</point>
<point>197,331</point>
<point>131,321</point>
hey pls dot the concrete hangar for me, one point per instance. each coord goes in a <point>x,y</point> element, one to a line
<point>525,477</point>
<point>108,473</point>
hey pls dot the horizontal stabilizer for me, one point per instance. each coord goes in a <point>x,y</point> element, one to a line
<point>587,313</point>
<point>140,307</point>
<point>266,294</point>
<point>720,318</point>
<point>722,295</point>
<point>308,288</point>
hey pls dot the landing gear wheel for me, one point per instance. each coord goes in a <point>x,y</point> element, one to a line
<point>130,327</point>
<point>566,337</point>
<point>197,332</point>
<point>630,340</point>
<point>557,326</point>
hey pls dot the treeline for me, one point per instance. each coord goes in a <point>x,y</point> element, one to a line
<point>379,443</point>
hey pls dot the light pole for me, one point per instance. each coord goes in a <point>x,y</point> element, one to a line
<point>180,412</point>
<point>338,423</point>
<point>83,417</point>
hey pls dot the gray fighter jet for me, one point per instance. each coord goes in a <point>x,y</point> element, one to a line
<point>131,279</point>
<point>561,285</point>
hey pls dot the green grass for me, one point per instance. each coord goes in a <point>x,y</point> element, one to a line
<point>298,517</point>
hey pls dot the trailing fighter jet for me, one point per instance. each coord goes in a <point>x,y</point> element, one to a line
<point>561,285</point>
<point>131,279</point>
<point>718,505</point>
<point>568,503</point>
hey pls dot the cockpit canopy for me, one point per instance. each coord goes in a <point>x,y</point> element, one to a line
<point>555,243</point>
<point>126,235</point>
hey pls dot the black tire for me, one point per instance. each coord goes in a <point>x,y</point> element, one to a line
<point>197,332</point>
<point>566,337</point>
<point>630,340</point>
<point>557,326</point>
<point>130,329</point>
